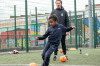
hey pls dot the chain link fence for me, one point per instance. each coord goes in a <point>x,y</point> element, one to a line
<point>13,24</point>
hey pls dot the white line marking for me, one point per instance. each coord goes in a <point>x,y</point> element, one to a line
<point>40,64</point>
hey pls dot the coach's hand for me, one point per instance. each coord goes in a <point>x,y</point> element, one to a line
<point>36,37</point>
<point>73,27</point>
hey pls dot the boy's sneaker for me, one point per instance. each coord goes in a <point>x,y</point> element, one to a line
<point>54,59</point>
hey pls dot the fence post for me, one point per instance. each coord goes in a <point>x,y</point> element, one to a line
<point>96,32</point>
<point>36,25</point>
<point>15,25</point>
<point>94,24</point>
<point>90,25</point>
<point>52,5</point>
<point>79,38</point>
<point>22,43</point>
<point>81,31</point>
<point>75,24</point>
<point>84,24</point>
<point>70,25</point>
<point>0,42</point>
<point>26,31</point>
<point>7,38</point>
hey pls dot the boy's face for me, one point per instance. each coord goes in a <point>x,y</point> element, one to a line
<point>58,4</point>
<point>52,22</point>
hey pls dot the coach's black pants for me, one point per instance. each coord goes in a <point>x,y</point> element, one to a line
<point>48,50</point>
<point>63,45</point>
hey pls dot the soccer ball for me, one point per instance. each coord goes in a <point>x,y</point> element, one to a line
<point>63,59</point>
<point>61,51</point>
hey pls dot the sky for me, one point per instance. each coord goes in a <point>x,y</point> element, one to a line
<point>43,6</point>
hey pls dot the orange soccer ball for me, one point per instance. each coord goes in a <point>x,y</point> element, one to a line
<point>63,59</point>
<point>33,64</point>
<point>61,51</point>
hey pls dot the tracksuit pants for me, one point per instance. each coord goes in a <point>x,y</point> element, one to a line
<point>48,50</point>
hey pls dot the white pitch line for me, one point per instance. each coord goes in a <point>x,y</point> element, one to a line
<point>12,64</point>
<point>40,64</point>
<point>16,64</point>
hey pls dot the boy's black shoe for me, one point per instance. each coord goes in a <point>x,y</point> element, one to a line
<point>44,65</point>
<point>54,59</point>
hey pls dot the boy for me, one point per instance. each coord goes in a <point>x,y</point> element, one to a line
<point>54,34</point>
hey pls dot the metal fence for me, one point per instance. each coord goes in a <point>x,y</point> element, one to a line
<point>21,21</point>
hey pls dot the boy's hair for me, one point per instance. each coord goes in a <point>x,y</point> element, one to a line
<point>54,17</point>
<point>59,0</point>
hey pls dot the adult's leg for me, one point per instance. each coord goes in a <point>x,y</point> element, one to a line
<point>63,44</point>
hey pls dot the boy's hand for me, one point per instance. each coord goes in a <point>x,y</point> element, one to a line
<point>73,27</point>
<point>36,37</point>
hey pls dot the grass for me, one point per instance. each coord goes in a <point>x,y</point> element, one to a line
<point>75,58</point>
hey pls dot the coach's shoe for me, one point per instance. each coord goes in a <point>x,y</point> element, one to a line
<point>66,56</point>
<point>54,59</point>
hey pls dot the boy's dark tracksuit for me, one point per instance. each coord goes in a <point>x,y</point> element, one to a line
<point>54,35</point>
<point>64,20</point>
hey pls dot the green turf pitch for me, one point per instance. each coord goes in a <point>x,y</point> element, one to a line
<point>88,57</point>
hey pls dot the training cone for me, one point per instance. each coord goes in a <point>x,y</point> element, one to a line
<point>63,59</point>
<point>72,49</point>
<point>33,64</point>
<point>61,51</point>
